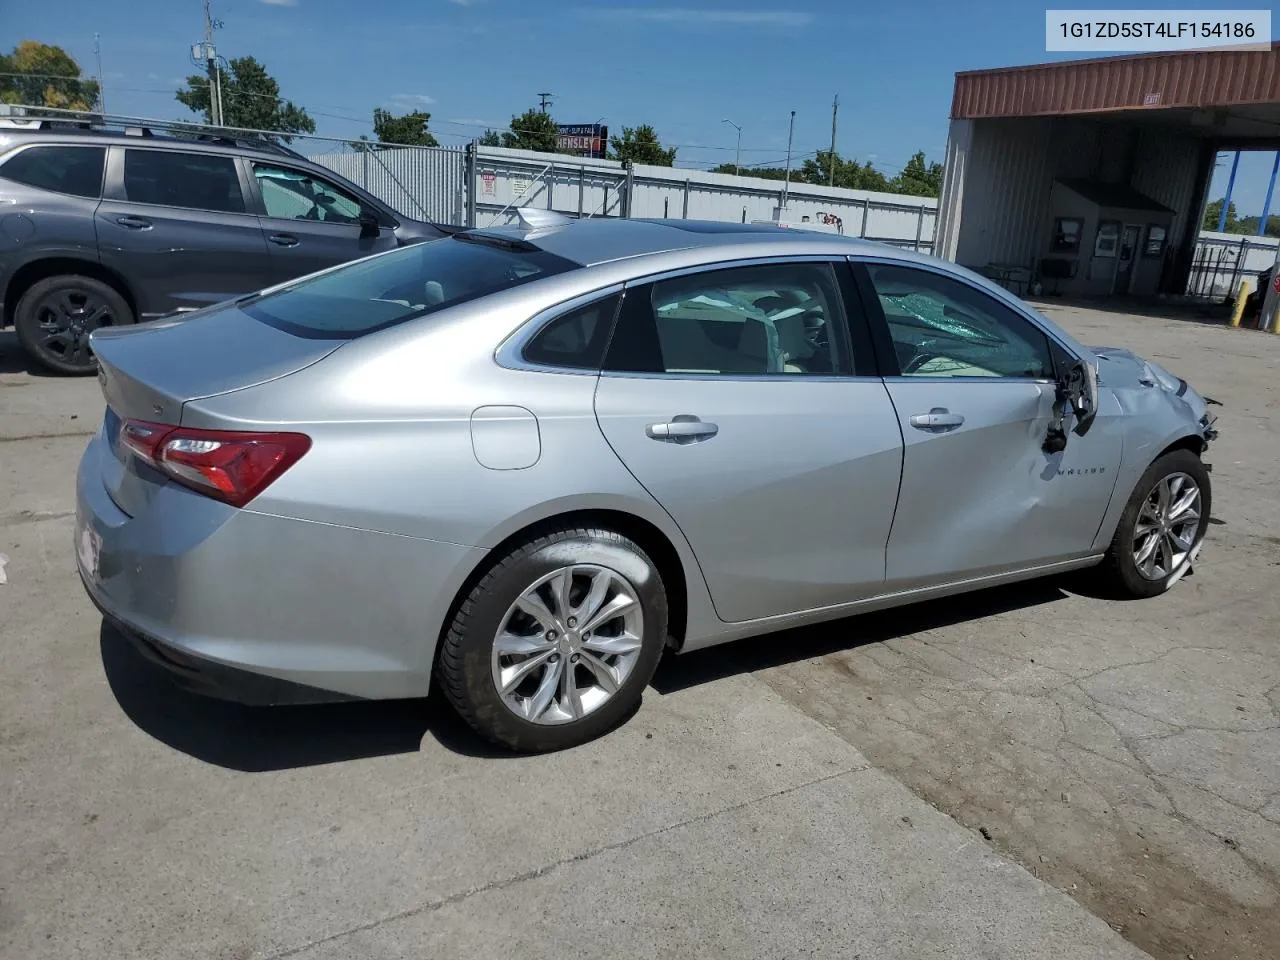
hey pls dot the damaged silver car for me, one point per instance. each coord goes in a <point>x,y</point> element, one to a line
<point>524,462</point>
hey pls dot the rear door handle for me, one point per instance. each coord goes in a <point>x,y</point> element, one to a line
<point>283,239</point>
<point>682,429</point>
<point>134,223</point>
<point>939,418</point>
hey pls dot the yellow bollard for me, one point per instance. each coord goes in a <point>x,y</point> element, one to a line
<point>1237,312</point>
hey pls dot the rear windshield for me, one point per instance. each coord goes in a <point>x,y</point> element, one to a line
<point>388,289</point>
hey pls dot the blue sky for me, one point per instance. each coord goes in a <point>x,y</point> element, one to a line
<point>681,65</point>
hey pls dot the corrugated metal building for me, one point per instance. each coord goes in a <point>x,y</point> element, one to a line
<point>1090,175</point>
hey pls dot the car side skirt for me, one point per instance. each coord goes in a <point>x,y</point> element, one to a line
<point>884,601</point>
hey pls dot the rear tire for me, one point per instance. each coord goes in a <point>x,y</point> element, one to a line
<point>528,660</point>
<point>1161,527</point>
<point>56,315</point>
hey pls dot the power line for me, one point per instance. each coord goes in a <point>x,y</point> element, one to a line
<point>436,124</point>
<point>48,76</point>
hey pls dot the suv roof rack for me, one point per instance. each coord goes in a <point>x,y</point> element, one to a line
<point>47,123</point>
<point>18,118</point>
<point>250,142</point>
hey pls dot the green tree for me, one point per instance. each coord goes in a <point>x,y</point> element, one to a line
<point>53,78</point>
<point>250,99</point>
<point>641,145</point>
<point>411,128</point>
<point>766,173</point>
<point>491,138</point>
<point>1249,225</point>
<point>849,173</point>
<point>918,179</point>
<point>532,130</point>
<point>1213,212</point>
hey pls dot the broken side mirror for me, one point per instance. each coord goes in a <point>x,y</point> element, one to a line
<point>369,225</point>
<point>1077,395</point>
<point>1081,388</point>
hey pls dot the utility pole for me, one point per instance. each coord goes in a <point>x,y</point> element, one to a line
<point>102,95</point>
<point>786,183</point>
<point>835,105</point>
<point>543,100</point>
<point>211,64</point>
<point>737,155</point>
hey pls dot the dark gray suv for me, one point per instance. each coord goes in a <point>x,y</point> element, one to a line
<point>105,227</point>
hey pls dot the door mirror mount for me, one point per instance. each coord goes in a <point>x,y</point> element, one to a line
<point>369,224</point>
<point>1081,388</point>
<point>1076,394</point>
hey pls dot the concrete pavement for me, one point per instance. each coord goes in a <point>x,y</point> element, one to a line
<point>139,821</point>
<point>766,801</point>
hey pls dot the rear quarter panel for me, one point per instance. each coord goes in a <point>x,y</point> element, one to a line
<point>38,225</point>
<point>394,450</point>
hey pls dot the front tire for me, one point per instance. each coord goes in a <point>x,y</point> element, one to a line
<point>56,315</point>
<point>1161,527</point>
<point>555,644</point>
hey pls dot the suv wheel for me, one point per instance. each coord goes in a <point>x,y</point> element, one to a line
<point>56,315</point>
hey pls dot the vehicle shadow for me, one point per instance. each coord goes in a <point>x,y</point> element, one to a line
<point>804,643</point>
<point>13,359</point>
<point>1213,313</point>
<point>260,739</point>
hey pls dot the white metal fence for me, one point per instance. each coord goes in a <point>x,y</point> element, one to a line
<point>1222,260</point>
<point>426,183</point>
<point>487,187</point>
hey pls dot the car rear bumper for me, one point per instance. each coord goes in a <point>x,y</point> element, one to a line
<point>215,679</point>
<point>250,606</point>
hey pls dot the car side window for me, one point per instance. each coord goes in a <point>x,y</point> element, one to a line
<point>194,180</point>
<point>297,195</point>
<point>779,319</point>
<point>576,339</point>
<point>942,327</point>
<point>60,169</point>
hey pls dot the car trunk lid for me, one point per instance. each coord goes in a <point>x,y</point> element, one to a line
<point>150,371</point>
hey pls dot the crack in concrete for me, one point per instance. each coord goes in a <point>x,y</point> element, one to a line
<point>912,669</point>
<point>33,516</point>
<point>519,878</point>
<point>47,436</point>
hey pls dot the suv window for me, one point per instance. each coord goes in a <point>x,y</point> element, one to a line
<point>773,319</point>
<point>386,289</point>
<point>73,170</point>
<point>942,327</point>
<point>294,195</point>
<point>576,339</point>
<point>194,180</point>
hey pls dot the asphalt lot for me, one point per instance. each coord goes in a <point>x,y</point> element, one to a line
<point>1017,774</point>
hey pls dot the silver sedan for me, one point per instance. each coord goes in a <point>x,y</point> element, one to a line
<point>523,462</point>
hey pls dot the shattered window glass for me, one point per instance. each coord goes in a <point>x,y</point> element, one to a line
<point>941,327</point>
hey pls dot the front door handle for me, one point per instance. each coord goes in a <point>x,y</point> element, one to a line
<point>939,418</point>
<point>682,429</point>
<point>283,239</point>
<point>134,223</point>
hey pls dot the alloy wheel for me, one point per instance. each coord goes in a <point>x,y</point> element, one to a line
<point>1167,526</point>
<point>64,320</point>
<point>567,644</point>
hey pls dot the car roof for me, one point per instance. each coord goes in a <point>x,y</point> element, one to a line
<point>143,137</point>
<point>600,240</point>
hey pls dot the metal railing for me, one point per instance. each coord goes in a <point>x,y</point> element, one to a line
<point>1219,263</point>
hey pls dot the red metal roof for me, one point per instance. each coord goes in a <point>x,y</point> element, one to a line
<point>1153,81</point>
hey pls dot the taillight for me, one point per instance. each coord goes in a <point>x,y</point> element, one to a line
<point>231,466</point>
